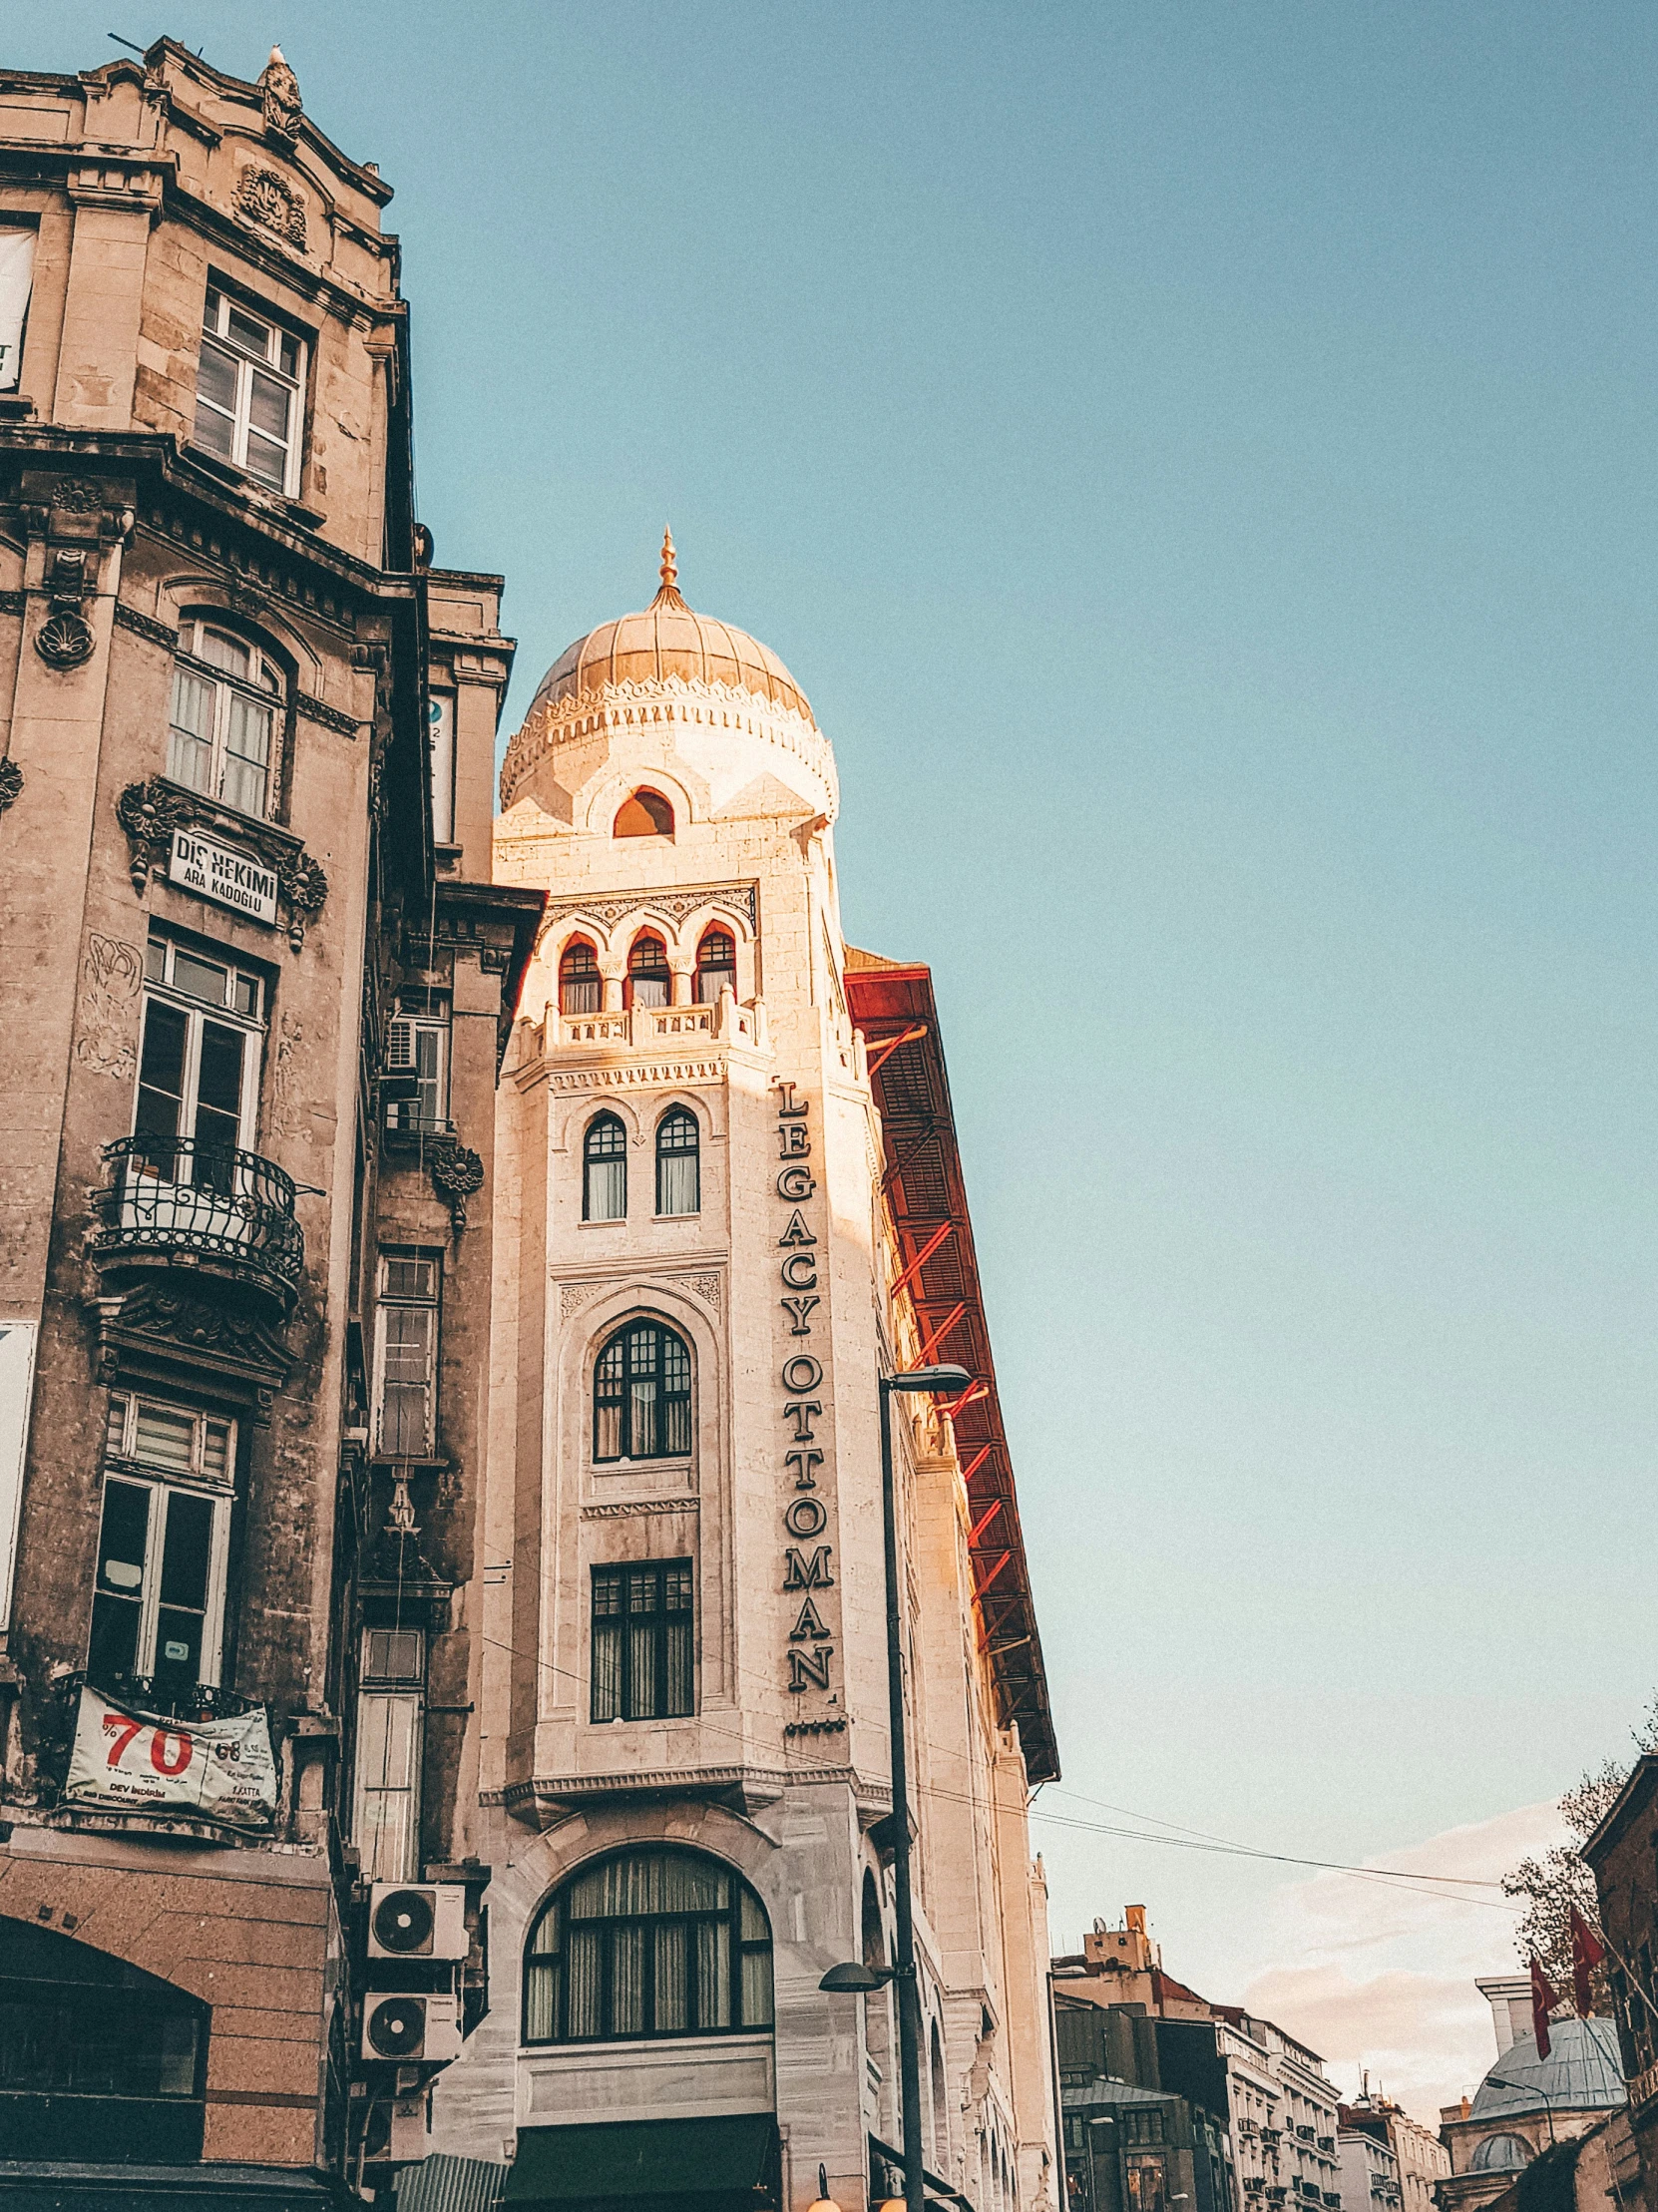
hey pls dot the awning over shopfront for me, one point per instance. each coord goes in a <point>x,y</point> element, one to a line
<point>725,2164</point>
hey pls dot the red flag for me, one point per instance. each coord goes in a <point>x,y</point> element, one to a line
<point>1543,1997</point>
<point>1587,1950</point>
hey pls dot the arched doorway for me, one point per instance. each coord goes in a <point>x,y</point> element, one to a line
<point>98,2058</point>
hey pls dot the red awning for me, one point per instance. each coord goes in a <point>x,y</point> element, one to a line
<point>923,1184</point>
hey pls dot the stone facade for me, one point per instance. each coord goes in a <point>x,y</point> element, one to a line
<point>1621,1854</point>
<point>220,644</point>
<point>671,792</point>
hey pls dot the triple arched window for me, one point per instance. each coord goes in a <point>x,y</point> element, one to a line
<point>648,1943</point>
<point>678,1166</point>
<point>641,1395</point>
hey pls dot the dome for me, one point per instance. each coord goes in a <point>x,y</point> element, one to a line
<point>666,639</point>
<point>1501,2154</point>
<point>1582,2073</point>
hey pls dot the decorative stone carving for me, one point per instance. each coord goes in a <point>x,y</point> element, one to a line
<point>64,641</point>
<point>264,197</point>
<point>666,698</point>
<point>708,1288</point>
<point>151,812</point>
<point>11,783</point>
<point>314,711</point>
<point>279,94</point>
<point>112,976</point>
<point>574,1296</point>
<point>157,1329</point>
<point>673,905</point>
<point>146,626</point>
<point>457,1175</point>
<point>77,495</point>
<point>624,1509</point>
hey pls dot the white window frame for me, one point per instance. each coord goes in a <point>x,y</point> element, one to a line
<point>389,1847</point>
<point>266,686</point>
<point>121,1462</point>
<point>283,361</point>
<point>387,1301</point>
<point>421,1018</point>
<point>158,988</point>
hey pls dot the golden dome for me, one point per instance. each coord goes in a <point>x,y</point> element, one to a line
<point>666,639</point>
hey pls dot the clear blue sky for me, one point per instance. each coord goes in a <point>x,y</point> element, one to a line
<point>1198,462</point>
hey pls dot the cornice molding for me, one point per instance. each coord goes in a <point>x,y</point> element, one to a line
<point>673,904</point>
<point>627,1509</point>
<point>146,627</point>
<point>316,711</point>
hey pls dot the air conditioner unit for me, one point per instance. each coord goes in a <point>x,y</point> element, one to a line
<point>408,1920</point>
<point>406,2026</point>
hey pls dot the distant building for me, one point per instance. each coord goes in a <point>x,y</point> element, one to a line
<point>1527,2103</point>
<point>1369,2167</point>
<point>1143,2104</point>
<point>1626,1876</point>
<point>1420,2160</point>
<point>1280,2104</point>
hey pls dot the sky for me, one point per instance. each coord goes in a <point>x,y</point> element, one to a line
<point>1197,460</point>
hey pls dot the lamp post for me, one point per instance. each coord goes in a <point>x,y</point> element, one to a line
<point>903,1970</point>
<point>1530,2089</point>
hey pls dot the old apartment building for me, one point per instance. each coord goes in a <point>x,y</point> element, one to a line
<point>254,988</point>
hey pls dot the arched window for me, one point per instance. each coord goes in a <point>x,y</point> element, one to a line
<point>716,965</point>
<point>645,814</point>
<point>678,1162</point>
<point>95,2051</point>
<point>604,1170</point>
<point>650,981</point>
<point>1501,2154</point>
<point>581,987</point>
<point>651,1943</point>
<point>641,1395</point>
<point>226,698</point>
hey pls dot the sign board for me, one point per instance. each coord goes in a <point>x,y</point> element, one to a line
<point>16,263</point>
<point>228,878</point>
<point>17,1369</point>
<point>218,1770</point>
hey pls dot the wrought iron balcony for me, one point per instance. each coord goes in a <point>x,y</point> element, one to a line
<point>172,1200</point>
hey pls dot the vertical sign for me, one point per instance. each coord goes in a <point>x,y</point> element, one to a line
<point>808,1562</point>
<point>440,715</point>
<point>17,1374</point>
<point>17,263</point>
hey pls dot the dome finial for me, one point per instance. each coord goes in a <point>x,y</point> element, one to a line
<point>668,595</point>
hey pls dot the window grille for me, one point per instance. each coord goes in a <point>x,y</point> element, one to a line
<point>678,1162</point>
<point>648,1943</point>
<point>604,1170</point>
<point>581,986</point>
<point>642,1642</point>
<point>641,1395</point>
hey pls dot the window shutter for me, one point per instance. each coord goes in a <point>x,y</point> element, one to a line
<point>400,1048</point>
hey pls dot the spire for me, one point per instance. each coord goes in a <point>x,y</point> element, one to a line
<point>668,595</point>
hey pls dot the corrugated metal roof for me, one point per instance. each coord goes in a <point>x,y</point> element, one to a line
<point>445,2184</point>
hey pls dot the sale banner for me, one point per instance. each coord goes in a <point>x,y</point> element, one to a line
<point>219,1770</point>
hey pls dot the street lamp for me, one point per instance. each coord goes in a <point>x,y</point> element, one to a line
<point>1527,2088</point>
<point>851,1977</point>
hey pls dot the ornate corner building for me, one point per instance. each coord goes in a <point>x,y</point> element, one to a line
<point>254,990</point>
<point>728,1200</point>
<point>447,1264</point>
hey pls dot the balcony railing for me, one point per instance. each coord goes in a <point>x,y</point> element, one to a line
<point>174,1196</point>
<point>656,1028</point>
